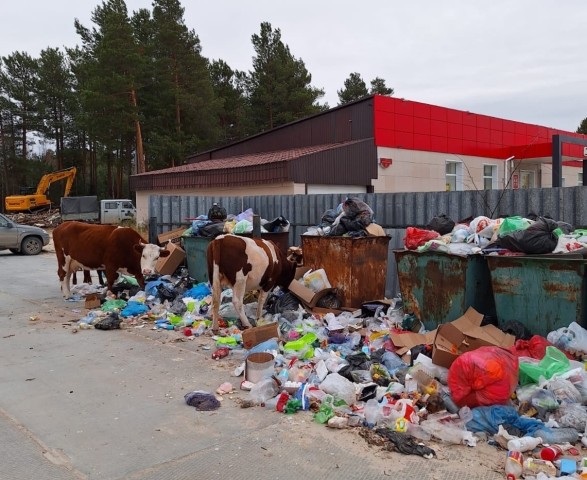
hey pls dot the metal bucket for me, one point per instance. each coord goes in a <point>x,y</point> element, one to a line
<point>258,366</point>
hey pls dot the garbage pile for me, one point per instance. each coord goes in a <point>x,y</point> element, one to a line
<point>218,222</point>
<point>352,218</point>
<point>41,219</point>
<point>377,370</point>
<point>504,236</point>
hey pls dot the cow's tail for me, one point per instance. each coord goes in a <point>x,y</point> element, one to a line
<point>213,259</point>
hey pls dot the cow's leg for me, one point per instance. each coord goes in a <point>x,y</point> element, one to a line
<point>100,276</point>
<point>261,302</point>
<point>216,292</point>
<point>87,276</point>
<point>238,293</point>
<point>111,276</point>
<point>66,279</point>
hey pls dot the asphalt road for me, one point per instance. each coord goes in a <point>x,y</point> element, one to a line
<point>110,405</point>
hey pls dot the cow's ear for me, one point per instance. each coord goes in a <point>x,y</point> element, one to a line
<point>163,252</point>
<point>139,247</point>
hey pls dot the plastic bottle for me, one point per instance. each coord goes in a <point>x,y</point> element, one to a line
<point>524,444</point>
<point>557,436</point>
<point>514,465</point>
<point>450,405</point>
<point>551,453</point>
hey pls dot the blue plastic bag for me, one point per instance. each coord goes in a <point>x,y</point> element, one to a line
<point>488,419</point>
<point>199,291</point>
<point>134,308</point>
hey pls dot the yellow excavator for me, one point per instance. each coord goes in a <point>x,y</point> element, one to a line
<point>39,200</point>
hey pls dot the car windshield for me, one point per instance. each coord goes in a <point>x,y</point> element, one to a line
<point>4,221</point>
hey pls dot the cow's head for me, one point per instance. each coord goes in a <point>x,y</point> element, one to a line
<point>150,253</point>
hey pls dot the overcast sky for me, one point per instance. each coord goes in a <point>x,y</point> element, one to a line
<point>522,60</point>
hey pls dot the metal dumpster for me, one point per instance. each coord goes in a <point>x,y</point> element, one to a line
<point>439,287</point>
<point>357,267</point>
<point>543,292</point>
<point>196,247</point>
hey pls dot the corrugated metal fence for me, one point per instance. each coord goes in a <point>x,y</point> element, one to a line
<point>393,211</point>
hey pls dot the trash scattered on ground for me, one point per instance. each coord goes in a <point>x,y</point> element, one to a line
<point>379,371</point>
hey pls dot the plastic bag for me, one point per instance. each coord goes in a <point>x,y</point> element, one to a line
<point>568,243</point>
<point>243,226</point>
<point>479,223</point>
<point>316,280</point>
<point>533,348</point>
<point>442,224</point>
<point>536,239</point>
<point>572,415</point>
<point>339,387</point>
<point>488,419</point>
<point>513,224</point>
<point>485,376</point>
<point>564,390</point>
<point>572,338</point>
<point>553,362</point>
<point>416,237</point>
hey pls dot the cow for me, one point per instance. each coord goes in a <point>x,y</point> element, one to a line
<point>245,264</point>
<point>83,246</point>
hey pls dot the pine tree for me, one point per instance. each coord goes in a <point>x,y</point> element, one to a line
<point>354,89</point>
<point>583,127</point>
<point>279,87</point>
<point>378,87</point>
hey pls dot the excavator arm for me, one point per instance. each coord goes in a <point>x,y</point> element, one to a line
<point>49,178</point>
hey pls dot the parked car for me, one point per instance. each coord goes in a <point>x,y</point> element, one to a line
<point>24,239</point>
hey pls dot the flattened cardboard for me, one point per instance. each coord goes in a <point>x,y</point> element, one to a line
<point>168,265</point>
<point>464,335</point>
<point>173,235</point>
<point>307,296</point>
<point>256,335</point>
<point>405,341</point>
<point>92,301</point>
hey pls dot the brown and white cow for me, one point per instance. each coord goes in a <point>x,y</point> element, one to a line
<point>83,246</point>
<point>245,264</point>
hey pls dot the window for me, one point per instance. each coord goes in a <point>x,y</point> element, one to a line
<point>580,179</point>
<point>489,177</point>
<point>454,176</point>
<point>527,179</point>
<point>110,205</point>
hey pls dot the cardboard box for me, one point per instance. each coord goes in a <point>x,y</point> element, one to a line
<point>173,236</point>
<point>455,338</point>
<point>168,265</point>
<point>256,335</point>
<point>92,301</point>
<point>307,296</point>
<point>466,334</point>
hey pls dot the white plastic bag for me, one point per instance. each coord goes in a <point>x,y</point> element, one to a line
<point>339,387</point>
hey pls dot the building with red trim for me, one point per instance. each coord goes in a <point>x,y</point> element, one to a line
<point>377,144</point>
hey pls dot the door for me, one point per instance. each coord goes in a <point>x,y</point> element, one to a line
<point>127,210</point>
<point>109,211</point>
<point>8,235</point>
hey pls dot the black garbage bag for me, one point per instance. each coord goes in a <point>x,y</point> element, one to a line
<point>357,361</point>
<point>517,329</point>
<point>110,322</point>
<point>212,230</point>
<point>217,213</point>
<point>178,307</point>
<point>276,225</point>
<point>442,224</point>
<point>328,217</point>
<point>566,228</point>
<point>166,292</point>
<point>330,300</point>
<point>404,443</point>
<point>280,302</point>
<point>536,239</point>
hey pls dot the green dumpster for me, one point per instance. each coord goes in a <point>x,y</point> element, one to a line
<point>439,287</point>
<point>195,252</point>
<point>543,292</point>
<point>196,247</point>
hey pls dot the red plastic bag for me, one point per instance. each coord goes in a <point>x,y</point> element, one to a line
<point>533,348</point>
<point>416,237</point>
<point>482,377</point>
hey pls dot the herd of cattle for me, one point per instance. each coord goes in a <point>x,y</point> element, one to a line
<point>240,263</point>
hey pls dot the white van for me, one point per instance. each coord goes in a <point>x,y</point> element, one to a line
<point>115,211</point>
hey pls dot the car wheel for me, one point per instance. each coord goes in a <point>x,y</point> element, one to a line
<point>31,246</point>
<point>16,251</point>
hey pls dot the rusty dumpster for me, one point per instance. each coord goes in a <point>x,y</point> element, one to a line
<point>356,267</point>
